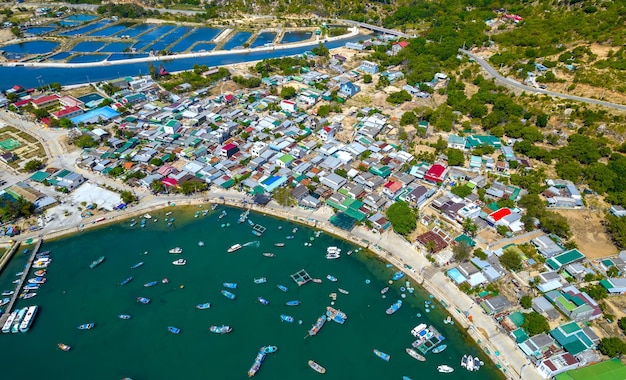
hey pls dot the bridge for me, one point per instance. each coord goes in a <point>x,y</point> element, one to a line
<point>375,28</point>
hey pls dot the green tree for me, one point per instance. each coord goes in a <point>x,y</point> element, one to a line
<point>478,252</point>
<point>596,291</point>
<point>461,190</point>
<point>33,165</point>
<point>616,227</point>
<point>127,197</point>
<point>511,259</point>
<point>408,118</point>
<point>156,162</point>
<point>469,227</point>
<point>526,301</point>
<point>157,186</point>
<point>612,272</point>
<point>65,123</point>
<point>455,157</point>
<point>535,323</point>
<point>283,197</point>
<point>402,218</point>
<point>461,251</point>
<point>367,78</point>
<point>622,324</point>
<point>320,50</point>
<point>288,92</point>
<point>399,97</point>
<point>323,110</point>
<point>85,141</point>
<point>612,347</point>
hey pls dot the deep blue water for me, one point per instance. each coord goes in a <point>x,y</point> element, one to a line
<point>263,38</point>
<point>88,46</point>
<point>201,34</point>
<point>290,37</point>
<point>38,30</point>
<point>108,32</point>
<point>237,40</point>
<point>80,18</point>
<point>85,58</point>
<point>120,56</point>
<point>117,47</point>
<point>85,29</point>
<point>169,39</point>
<point>60,56</point>
<point>137,30</point>
<point>31,47</point>
<point>27,76</point>
<point>203,46</point>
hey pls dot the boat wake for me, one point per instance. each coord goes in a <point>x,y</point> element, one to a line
<point>255,244</point>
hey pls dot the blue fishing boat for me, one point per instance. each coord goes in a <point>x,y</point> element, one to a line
<point>137,265</point>
<point>283,288</point>
<point>261,280</point>
<point>127,280</point>
<point>143,300</point>
<point>257,362</point>
<point>270,349</point>
<point>149,284</point>
<point>95,263</point>
<point>86,326</point>
<point>331,278</point>
<point>220,329</point>
<point>263,301</point>
<point>124,316</point>
<point>293,303</point>
<point>228,294</point>
<point>202,306</point>
<point>286,318</point>
<point>318,325</point>
<point>439,348</point>
<point>398,275</point>
<point>382,355</point>
<point>173,330</point>
<point>230,285</point>
<point>394,307</point>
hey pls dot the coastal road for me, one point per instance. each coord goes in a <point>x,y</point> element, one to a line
<point>513,84</point>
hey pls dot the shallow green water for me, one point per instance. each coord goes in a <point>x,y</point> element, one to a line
<point>142,348</point>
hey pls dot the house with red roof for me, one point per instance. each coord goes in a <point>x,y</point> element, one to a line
<point>68,112</point>
<point>288,106</point>
<point>46,101</point>
<point>437,173</point>
<point>228,150</point>
<point>21,103</point>
<point>392,189</point>
<point>497,215</point>
<point>397,46</point>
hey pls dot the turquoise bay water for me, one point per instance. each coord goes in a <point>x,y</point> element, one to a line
<point>142,348</point>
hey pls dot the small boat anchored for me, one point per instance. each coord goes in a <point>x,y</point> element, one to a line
<point>203,306</point>
<point>179,262</point>
<point>445,369</point>
<point>228,295</point>
<point>316,367</point>
<point>64,347</point>
<point>220,329</point>
<point>234,248</point>
<point>263,301</point>
<point>95,263</point>
<point>86,326</point>
<point>415,355</point>
<point>173,330</point>
<point>269,254</point>
<point>176,250</point>
<point>137,265</point>
<point>293,303</point>
<point>382,355</point>
<point>230,285</point>
<point>286,318</point>
<point>261,280</point>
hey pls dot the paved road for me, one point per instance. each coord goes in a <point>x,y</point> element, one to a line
<point>510,83</point>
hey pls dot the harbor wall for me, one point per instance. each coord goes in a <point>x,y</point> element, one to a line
<point>8,255</point>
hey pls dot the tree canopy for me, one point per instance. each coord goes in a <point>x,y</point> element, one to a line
<point>511,259</point>
<point>612,347</point>
<point>535,323</point>
<point>402,217</point>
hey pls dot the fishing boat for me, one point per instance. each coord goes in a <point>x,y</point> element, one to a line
<point>28,318</point>
<point>179,262</point>
<point>176,250</point>
<point>124,316</point>
<point>316,367</point>
<point>173,330</point>
<point>270,349</point>
<point>143,300</point>
<point>18,274</point>
<point>95,263</point>
<point>150,284</point>
<point>394,307</point>
<point>147,216</point>
<point>343,291</point>
<point>64,347</point>
<point>201,244</point>
<point>37,280</point>
<point>261,280</point>
<point>86,326</point>
<point>202,306</point>
<point>289,237</point>
<point>4,301</point>
<point>469,363</point>
<point>269,254</point>
<point>228,294</point>
<point>317,280</point>
<point>9,322</point>
<point>439,348</point>
<point>336,315</point>
<point>40,273</point>
<point>26,296</point>
<point>220,329</point>
<point>137,265</point>
<point>29,287</point>
<point>234,248</point>
<point>258,360</point>
<point>165,281</point>
<point>293,303</point>
<point>415,355</point>
<point>213,206</point>
<point>398,275</point>
<point>333,256</point>
<point>382,355</point>
<point>263,301</point>
<point>223,214</point>
<point>384,290</point>
<point>230,285</point>
<point>279,244</point>
<point>127,280</point>
<point>286,318</point>
<point>445,369</point>
<point>318,325</point>
<point>281,287</point>
<point>332,278</point>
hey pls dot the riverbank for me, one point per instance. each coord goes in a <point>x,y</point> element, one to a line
<point>388,246</point>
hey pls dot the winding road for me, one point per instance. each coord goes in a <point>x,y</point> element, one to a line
<point>513,84</point>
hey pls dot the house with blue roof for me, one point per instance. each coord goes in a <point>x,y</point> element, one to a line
<point>349,89</point>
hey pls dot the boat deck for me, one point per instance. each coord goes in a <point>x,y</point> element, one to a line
<point>18,287</point>
<point>301,277</point>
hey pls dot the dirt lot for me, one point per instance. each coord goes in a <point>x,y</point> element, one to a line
<point>589,233</point>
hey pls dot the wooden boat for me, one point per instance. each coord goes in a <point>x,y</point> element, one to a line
<point>415,355</point>
<point>316,367</point>
<point>269,254</point>
<point>64,346</point>
<point>343,291</point>
<point>279,244</point>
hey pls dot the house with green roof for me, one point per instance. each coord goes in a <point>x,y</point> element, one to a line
<point>475,141</point>
<point>575,339</point>
<point>381,171</point>
<point>285,160</point>
<point>567,257</point>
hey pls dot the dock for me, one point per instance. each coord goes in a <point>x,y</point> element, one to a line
<point>301,277</point>
<point>18,287</point>
<point>427,338</point>
<point>259,228</point>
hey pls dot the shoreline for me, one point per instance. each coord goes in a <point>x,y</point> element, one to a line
<point>389,247</point>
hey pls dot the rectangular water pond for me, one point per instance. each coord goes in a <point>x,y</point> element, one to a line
<point>87,46</point>
<point>136,30</point>
<point>39,30</point>
<point>120,56</point>
<point>85,29</point>
<point>200,34</point>
<point>169,39</point>
<point>290,37</point>
<point>110,31</point>
<point>237,40</point>
<point>116,47</point>
<point>87,58</point>
<point>264,39</point>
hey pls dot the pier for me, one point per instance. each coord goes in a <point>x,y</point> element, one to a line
<point>19,285</point>
<point>301,277</point>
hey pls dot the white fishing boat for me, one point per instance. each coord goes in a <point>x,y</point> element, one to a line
<point>234,247</point>
<point>176,250</point>
<point>179,262</point>
<point>445,369</point>
<point>415,355</point>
